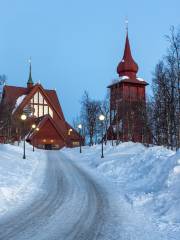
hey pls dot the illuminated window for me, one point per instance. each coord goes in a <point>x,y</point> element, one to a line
<point>69,131</point>
<point>36,110</point>
<point>38,106</point>
<point>50,112</point>
<point>45,110</point>
<point>41,110</point>
<point>40,98</point>
<point>36,98</point>
<point>75,144</point>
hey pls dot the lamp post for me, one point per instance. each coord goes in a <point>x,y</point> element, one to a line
<point>33,127</point>
<point>112,132</point>
<point>23,118</point>
<point>37,129</point>
<point>102,118</point>
<point>80,127</point>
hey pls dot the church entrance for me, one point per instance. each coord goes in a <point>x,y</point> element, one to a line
<point>48,146</point>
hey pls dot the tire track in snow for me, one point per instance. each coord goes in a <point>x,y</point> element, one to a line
<point>71,206</point>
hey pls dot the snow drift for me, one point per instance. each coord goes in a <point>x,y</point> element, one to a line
<point>147,178</point>
<point>20,178</point>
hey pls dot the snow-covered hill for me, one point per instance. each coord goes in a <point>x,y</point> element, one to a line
<point>147,178</point>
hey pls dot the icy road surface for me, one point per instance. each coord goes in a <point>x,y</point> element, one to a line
<point>70,206</point>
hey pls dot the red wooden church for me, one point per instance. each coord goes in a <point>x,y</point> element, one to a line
<point>43,110</point>
<point>128,102</point>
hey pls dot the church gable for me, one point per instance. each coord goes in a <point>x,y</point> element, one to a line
<point>38,106</point>
<point>48,134</point>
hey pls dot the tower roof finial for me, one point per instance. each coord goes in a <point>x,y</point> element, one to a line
<point>127,24</point>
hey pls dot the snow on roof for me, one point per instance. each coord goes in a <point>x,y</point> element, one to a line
<point>18,102</point>
<point>140,79</point>
<point>123,78</point>
<point>120,79</point>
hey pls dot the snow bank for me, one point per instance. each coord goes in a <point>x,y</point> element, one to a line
<point>148,178</point>
<point>20,179</point>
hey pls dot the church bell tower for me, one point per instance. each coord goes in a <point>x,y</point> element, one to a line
<point>127,101</point>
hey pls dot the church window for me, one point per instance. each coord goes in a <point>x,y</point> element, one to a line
<point>75,144</point>
<point>40,98</point>
<point>36,97</point>
<point>45,110</point>
<point>38,106</point>
<point>36,110</point>
<point>41,110</point>
<point>50,112</point>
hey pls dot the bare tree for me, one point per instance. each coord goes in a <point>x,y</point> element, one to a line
<point>166,85</point>
<point>173,62</point>
<point>3,79</point>
<point>90,110</point>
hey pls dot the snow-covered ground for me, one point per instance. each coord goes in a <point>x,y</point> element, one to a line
<point>147,180</point>
<point>20,179</point>
<point>138,187</point>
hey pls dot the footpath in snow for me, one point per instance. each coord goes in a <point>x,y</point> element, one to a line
<point>20,179</point>
<point>145,183</point>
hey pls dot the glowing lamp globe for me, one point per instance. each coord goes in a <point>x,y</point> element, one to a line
<point>101,117</point>
<point>23,117</point>
<point>80,126</point>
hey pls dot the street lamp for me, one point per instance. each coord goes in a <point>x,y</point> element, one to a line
<point>80,128</point>
<point>101,119</point>
<point>33,127</point>
<point>23,118</point>
<point>37,129</point>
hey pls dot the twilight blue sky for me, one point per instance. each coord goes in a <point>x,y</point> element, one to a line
<point>76,45</point>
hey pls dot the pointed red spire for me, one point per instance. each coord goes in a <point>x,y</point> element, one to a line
<point>127,66</point>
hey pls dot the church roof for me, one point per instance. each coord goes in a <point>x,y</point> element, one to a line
<point>127,66</point>
<point>12,93</point>
<point>128,80</point>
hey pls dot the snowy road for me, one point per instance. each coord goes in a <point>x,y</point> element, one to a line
<point>71,205</point>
